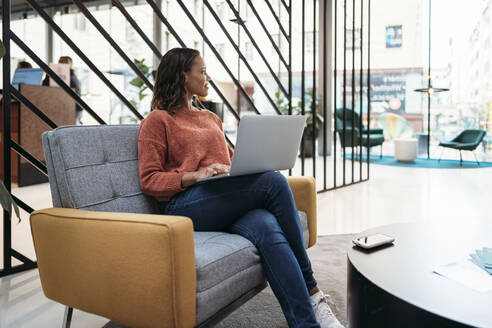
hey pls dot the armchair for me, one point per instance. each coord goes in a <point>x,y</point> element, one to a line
<point>103,248</point>
<point>370,136</point>
<point>467,140</point>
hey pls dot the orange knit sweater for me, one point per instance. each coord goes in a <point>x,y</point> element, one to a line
<point>170,145</point>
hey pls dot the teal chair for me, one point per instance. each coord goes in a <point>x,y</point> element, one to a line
<point>467,140</point>
<point>370,137</point>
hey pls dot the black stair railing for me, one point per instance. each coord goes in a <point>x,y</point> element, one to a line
<point>82,56</point>
<point>98,26</point>
<point>171,30</point>
<point>218,56</point>
<point>239,52</point>
<point>283,59</point>
<point>253,42</point>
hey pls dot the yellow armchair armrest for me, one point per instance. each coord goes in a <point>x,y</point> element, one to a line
<point>136,269</point>
<point>305,196</point>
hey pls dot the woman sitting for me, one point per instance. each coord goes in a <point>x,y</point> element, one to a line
<point>178,144</point>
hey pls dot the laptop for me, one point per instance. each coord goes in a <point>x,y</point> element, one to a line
<point>265,143</point>
<point>31,76</point>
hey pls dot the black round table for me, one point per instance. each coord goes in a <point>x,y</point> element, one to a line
<point>395,286</point>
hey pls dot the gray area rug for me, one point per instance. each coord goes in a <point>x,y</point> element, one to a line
<point>329,260</point>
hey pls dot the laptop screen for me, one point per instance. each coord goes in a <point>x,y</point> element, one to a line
<point>31,76</point>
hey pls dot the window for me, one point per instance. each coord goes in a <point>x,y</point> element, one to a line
<point>351,37</point>
<point>279,43</point>
<point>248,49</point>
<point>220,49</point>
<point>79,22</point>
<point>310,41</point>
<point>220,9</point>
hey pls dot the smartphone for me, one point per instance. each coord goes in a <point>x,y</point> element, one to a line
<point>372,241</point>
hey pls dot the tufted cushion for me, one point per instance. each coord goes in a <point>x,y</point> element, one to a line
<point>96,168</point>
<point>227,266</point>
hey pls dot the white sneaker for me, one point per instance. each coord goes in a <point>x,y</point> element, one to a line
<point>324,314</point>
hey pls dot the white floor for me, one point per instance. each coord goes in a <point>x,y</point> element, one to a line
<point>392,195</point>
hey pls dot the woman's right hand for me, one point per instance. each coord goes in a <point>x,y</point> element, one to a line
<point>190,178</point>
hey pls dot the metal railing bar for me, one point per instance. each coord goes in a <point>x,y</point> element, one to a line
<point>229,142</point>
<point>287,7</point>
<point>55,77</point>
<point>353,87</point>
<point>33,108</point>
<point>7,227</point>
<point>16,269</point>
<point>224,99</point>
<point>23,205</point>
<point>238,51</point>
<point>83,9</point>
<point>217,55</point>
<point>163,19</point>
<point>82,56</point>
<point>341,186</point>
<point>368,80</point>
<point>303,83</point>
<point>253,42</point>
<point>269,5</point>
<point>335,132</point>
<point>30,158</point>
<point>290,62</point>
<point>22,258</point>
<point>344,84</point>
<point>133,23</point>
<point>361,86</point>
<point>274,44</point>
<point>325,93</point>
<point>314,98</point>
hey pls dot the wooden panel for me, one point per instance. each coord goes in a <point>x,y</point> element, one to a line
<point>54,103</point>
<point>14,135</point>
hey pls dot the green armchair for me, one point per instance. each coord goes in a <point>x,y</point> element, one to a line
<point>467,140</point>
<point>370,137</point>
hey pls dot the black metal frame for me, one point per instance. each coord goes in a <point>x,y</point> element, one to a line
<point>353,159</point>
<point>285,59</point>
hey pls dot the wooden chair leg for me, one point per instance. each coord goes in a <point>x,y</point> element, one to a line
<point>67,317</point>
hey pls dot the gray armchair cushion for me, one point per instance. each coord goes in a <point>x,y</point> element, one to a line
<point>96,168</point>
<point>227,266</point>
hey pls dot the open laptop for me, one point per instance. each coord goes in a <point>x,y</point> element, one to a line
<point>265,143</point>
<point>31,76</point>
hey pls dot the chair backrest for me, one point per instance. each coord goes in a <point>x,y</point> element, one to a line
<point>349,114</point>
<point>471,136</point>
<point>96,168</point>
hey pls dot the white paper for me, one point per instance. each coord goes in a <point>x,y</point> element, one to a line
<point>468,274</point>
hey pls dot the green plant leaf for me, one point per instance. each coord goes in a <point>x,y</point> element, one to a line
<point>136,82</point>
<point>2,49</point>
<point>8,202</point>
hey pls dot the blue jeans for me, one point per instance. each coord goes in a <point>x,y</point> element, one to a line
<point>261,208</point>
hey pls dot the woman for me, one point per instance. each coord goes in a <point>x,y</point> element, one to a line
<point>179,144</point>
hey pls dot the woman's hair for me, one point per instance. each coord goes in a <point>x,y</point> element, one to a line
<point>169,85</point>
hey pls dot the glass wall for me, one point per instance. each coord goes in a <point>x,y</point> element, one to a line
<point>460,62</point>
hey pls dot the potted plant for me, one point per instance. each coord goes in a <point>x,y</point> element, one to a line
<point>6,199</point>
<point>313,124</point>
<point>141,89</point>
